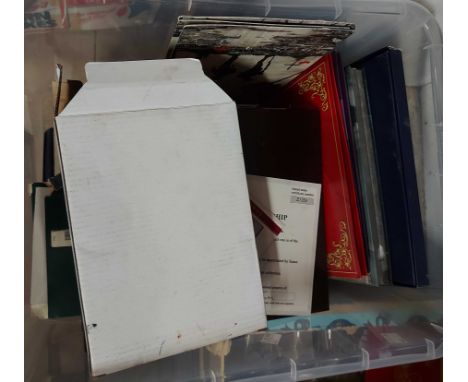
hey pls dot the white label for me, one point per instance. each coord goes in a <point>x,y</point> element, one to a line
<point>60,238</point>
<point>271,338</point>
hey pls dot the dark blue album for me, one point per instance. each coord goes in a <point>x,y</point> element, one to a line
<point>390,125</point>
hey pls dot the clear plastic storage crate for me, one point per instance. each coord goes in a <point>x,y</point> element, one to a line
<point>308,348</point>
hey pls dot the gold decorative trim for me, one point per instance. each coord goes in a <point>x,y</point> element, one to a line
<point>316,83</point>
<point>341,258</point>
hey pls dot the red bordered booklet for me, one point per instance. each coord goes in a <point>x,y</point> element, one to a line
<point>316,87</point>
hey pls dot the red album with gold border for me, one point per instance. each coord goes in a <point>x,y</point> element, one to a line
<point>316,87</point>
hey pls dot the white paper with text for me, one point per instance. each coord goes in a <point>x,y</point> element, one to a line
<point>287,266</point>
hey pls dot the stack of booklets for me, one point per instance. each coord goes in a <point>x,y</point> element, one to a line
<point>371,214</point>
<point>374,231</point>
<point>253,60</point>
<point>306,172</point>
<point>305,169</point>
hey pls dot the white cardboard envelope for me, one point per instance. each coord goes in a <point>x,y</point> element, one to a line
<point>159,212</point>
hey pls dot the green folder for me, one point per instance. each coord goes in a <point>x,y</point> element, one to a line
<point>62,291</point>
